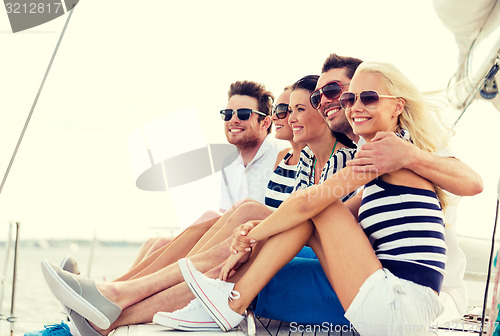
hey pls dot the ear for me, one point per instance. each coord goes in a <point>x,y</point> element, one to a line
<point>399,107</point>
<point>265,123</point>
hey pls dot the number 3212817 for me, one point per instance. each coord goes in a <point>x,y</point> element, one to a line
<point>33,8</point>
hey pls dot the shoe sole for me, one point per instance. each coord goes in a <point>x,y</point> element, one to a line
<point>68,297</point>
<point>67,310</point>
<point>81,326</point>
<point>187,272</point>
<point>184,325</point>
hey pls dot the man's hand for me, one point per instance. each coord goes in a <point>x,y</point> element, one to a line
<point>386,153</point>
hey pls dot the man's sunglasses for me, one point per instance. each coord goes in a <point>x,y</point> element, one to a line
<point>368,98</point>
<point>332,90</point>
<point>281,110</point>
<point>242,113</point>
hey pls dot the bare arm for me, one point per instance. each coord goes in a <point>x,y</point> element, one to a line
<point>388,153</point>
<point>305,204</point>
<point>281,156</point>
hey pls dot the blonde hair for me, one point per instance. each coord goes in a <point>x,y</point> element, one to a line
<point>420,116</point>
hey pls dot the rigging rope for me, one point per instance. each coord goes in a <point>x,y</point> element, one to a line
<point>26,123</point>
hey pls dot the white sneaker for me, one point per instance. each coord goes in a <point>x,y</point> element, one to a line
<point>193,317</point>
<point>213,293</point>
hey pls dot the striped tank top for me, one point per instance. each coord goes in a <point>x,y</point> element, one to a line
<point>337,161</point>
<point>281,183</point>
<point>406,229</point>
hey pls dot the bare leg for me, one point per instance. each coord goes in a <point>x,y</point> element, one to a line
<point>277,251</point>
<point>146,249</point>
<point>342,247</point>
<point>168,300</point>
<point>347,253</point>
<point>127,293</point>
<point>246,211</point>
<point>153,244</point>
<point>170,253</point>
<point>213,233</point>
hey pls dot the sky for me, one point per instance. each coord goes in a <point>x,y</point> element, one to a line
<point>123,64</point>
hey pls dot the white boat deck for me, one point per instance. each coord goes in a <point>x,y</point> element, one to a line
<point>266,327</point>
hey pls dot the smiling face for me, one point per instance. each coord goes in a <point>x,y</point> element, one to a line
<point>245,133</point>
<point>283,130</point>
<point>307,125</point>
<point>329,109</point>
<point>367,120</point>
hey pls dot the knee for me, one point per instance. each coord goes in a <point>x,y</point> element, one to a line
<point>242,202</point>
<point>251,211</point>
<point>157,243</point>
<point>208,217</point>
<point>149,243</point>
<point>211,214</point>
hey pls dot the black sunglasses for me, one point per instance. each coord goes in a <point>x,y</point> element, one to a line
<point>281,110</point>
<point>241,113</point>
<point>368,98</point>
<point>331,90</point>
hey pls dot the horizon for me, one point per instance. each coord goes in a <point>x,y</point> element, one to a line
<point>114,74</point>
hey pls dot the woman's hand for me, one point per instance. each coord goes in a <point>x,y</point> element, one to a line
<point>242,243</point>
<point>232,263</point>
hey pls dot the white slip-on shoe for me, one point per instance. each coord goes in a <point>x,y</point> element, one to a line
<point>69,264</point>
<point>80,294</point>
<point>213,293</point>
<point>80,326</point>
<point>193,317</point>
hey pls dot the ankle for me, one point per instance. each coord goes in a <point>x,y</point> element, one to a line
<point>110,292</point>
<point>237,306</point>
<point>100,331</point>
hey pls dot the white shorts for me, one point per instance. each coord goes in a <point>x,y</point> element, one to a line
<point>387,305</point>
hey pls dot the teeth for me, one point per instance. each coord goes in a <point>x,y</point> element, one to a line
<point>329,113</point>
<point>279,126</point>
<point>296,128</point>
<point>235,130</point>
<point>360,119</point>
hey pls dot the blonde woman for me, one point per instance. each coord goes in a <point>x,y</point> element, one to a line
<point>383,253</point>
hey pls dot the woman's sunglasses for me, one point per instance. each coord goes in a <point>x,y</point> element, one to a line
<point>241,113</point>
<point>281,110</point>
<point>332,90</point>
<point>368,98</point>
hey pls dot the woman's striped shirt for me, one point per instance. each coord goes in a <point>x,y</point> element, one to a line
<point>336,162</point>
<point>281,184</point>
<point>406,229</point>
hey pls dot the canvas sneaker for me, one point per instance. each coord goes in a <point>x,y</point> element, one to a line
<point>193,317</point>
<point>213,293</point>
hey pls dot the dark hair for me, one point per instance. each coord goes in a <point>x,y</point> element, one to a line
<point>307,83</point>
<point>258,91</point>
<point>335,61</point>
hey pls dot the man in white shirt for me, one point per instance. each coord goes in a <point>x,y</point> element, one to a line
<point>247,124</point>
<point>248,175</point>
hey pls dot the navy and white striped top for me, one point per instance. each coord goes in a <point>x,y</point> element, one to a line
<point>281,184</point>
<point>334,164</point>
<point>406,229</point>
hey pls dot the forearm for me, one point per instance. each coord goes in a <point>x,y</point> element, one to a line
<point>448,173</point>
<point>305,204</point>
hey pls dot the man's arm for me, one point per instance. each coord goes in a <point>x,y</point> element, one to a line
<point>388,153</point>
